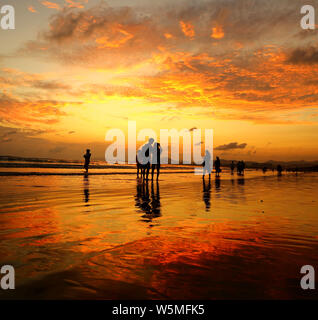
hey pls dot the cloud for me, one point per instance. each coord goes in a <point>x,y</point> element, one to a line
<point>189,55</point>
<point>31,9</point>
<point>57,149</point>
<point>231,146</point>
<point>187,29</point>
<point>49,85</point>
<point>304,56</point>
<point>30,143</point>
<point>217,32</point>
<point>75,4</point>
<point>6,136</point>
<point>15,78</point>
<point>51,5</point>
<point>30,112</point>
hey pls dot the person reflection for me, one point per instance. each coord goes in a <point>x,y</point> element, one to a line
<point>217,184</point>
<point>150,206</point>
<point>241,181</point>
<point>86,188</point>
<point>207,195</point>
<point>155,200</point>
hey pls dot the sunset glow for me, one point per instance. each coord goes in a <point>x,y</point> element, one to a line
<point>79,68</point>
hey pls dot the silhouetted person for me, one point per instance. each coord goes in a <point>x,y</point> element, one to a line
<point>145,158</point>
<point>207,195</point>
<point>264,169</point>
<point>139,165</point>
<point>207,164</point>
<point>239,168</point>
<point>156,160</point>
<point>242,167</point>
<point>87,157</point>
<point>217,165</point>
<point>232,167</point>
<point>279,170</point>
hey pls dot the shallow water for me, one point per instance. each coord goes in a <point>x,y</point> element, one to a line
<point>113,237</point>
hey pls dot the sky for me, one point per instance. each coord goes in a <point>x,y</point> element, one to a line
<point>73,69</point>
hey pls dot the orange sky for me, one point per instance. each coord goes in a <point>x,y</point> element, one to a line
<point>73,69</point>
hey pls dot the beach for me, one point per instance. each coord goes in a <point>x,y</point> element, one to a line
<point>113,237</point>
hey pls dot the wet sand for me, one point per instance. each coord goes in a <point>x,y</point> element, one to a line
<point>112,237</point>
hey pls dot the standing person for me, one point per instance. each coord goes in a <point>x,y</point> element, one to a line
<point>155,160</point>
<point>217,164</point>
<point>238,168</point>
<point>139,166</point>
<point>232,168</point>
<point>207,164</point>
<point>87,157</point>
<point>279,170</point>
<point>243,167</point>
<point>146,152</point>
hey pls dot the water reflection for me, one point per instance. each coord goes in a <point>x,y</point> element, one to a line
<point>112,236</point>
<point>86,188</point>
<point>207,195</point>
<point>148,203</point>
<point>241,181</point>
<point>217,184</point>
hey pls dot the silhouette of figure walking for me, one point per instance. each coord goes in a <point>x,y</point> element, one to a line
<point>217,165</point>
<point>139,165</point>
<point>279,170</point>
<point>239,168</point>
<point>232,168</point>
<point>144,158</point>
<point>207,167</point>
<point>242,167</point>
<point>155,160</point>
<point>87,157</point>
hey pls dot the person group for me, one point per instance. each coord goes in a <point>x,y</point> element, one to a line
<point>240,168</point>
<point>148,156</point>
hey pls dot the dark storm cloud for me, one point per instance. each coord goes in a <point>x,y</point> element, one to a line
<point>49,85</point>
<point>231,146</point>
<point>304,56</point>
